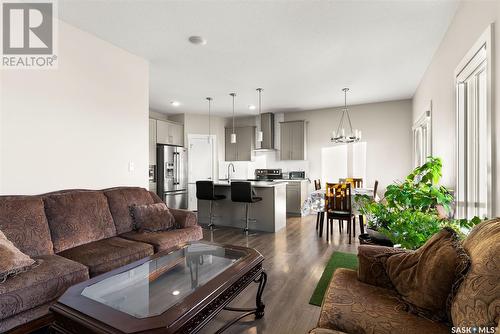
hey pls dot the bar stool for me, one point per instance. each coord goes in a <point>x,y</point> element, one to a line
<point>242,192</point>
<point>205,190</point>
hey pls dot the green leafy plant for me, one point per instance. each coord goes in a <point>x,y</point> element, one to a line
<point>410,212</point>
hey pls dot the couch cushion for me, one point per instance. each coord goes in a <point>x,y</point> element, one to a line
<point>424,278</point>
<point>120,200</point>
<point>152,217</point>
<point>25,317</point>
<point>477,301</point>
<point>166,239</point>
<point>105,255</point>
<point>354,307</point>
<point>77,218</point>
<point>23,221</point>
<point>40,285</point>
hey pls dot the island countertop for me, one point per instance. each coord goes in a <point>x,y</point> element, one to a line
<point>256,184</point>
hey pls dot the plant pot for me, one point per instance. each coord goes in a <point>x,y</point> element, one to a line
<point>375,238</point>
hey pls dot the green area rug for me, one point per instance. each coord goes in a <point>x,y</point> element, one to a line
<point>338,260</point>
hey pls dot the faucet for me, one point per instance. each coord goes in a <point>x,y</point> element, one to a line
<point>228,171</point>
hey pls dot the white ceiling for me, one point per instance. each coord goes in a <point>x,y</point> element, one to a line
<point>301,52</point>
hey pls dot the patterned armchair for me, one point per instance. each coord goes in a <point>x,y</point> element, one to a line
<point>367,302</point>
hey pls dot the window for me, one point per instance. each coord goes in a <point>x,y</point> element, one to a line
<point>422,139</point>
<point>473,183</point>
<point>341,161</point>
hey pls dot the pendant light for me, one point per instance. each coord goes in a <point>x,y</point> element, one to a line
<point>209,99</point>
<point>233,134</point>
<point>260,135</point>
<point>340,135</point>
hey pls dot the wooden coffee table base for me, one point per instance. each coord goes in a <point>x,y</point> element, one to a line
<point>69,321</point>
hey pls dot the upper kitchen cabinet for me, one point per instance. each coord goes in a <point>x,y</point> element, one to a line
<point>152,141</point>
<point>293,140</point>
<point>242,150</point>
<point>169,133</point>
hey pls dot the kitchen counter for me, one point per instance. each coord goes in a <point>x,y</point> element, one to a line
<point>270,213</point>
<point>256,184</point>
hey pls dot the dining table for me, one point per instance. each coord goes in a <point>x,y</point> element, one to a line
<point>315,202</point>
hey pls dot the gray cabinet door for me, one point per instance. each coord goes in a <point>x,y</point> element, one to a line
<point>293,198</point>
<point>230,148</point>
<point>242,150</point>
<point>152,142</point>
<point>285,144</point>
<point>245,143</point>
<point>297,139</point>
<point>292,140</point>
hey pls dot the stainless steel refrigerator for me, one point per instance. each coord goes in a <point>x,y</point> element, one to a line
<point>172,184</point>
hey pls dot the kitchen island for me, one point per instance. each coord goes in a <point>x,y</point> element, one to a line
<point>270,212</point>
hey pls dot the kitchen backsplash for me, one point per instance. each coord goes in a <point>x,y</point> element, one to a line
<point>246,169</point>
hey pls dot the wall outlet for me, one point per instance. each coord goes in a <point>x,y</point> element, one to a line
<point>131,166</point>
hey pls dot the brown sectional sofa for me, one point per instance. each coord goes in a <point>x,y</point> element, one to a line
<point>74,235</point>
<point>362,302</point>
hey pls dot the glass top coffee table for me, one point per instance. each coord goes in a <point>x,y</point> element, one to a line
<point>176,291</point>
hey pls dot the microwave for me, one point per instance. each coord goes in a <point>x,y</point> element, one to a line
<point>297,175</point>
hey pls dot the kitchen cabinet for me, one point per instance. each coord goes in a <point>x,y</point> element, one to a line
<point>296,194</point>
<point>169,133</point>
<point>242,150</point>
<point>152,142</point>
<point>293,140</point>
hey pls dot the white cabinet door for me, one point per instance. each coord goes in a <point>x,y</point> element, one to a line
<point>177,133</point>
<point>169,133</point>
<point>163,135</point>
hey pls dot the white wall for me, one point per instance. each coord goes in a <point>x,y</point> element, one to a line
<point>437,85</point>
<point>386,128</point>
<point>77,126</point>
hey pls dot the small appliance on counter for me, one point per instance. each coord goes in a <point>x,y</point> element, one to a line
<point>268,174</point>
<point>297,175</point>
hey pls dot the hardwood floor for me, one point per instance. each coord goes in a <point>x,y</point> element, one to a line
<point>295,260</point>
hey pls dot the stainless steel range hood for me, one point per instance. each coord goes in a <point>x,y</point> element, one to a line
<point>267,128</point>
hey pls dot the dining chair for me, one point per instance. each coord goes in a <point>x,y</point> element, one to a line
<point>355,182</point>
<point>338,206</point>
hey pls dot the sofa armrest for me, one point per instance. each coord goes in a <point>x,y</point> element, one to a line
<point>184,218</point>
<point>371,269</point>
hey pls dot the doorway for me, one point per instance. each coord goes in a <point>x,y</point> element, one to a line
<point>202,163</point>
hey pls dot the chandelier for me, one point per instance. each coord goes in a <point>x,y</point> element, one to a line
<point>343,135</point>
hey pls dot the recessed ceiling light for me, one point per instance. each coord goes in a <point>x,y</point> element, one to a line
<point>197,40</point>
<point>251,107</point>
<point>176,292</point>
<point>175,103</point>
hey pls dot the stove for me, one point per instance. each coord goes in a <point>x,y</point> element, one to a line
<point>268,174</point>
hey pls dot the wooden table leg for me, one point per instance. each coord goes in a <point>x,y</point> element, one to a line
<point>362,224</point>
<point>321,221</point>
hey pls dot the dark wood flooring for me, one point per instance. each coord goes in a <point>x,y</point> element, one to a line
<point>295,258</point>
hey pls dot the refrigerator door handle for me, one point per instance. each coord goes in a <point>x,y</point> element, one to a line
<point>175,168</point>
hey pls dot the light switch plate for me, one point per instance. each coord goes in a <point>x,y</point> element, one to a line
<point>131,166</point>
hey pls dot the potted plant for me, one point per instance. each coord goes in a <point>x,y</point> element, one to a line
<point>415,209</point>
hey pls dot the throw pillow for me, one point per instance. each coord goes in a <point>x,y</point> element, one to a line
<point>477,298</point>
<point>425,277</point>
<point>152,217</point>
<point>12,260</point>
